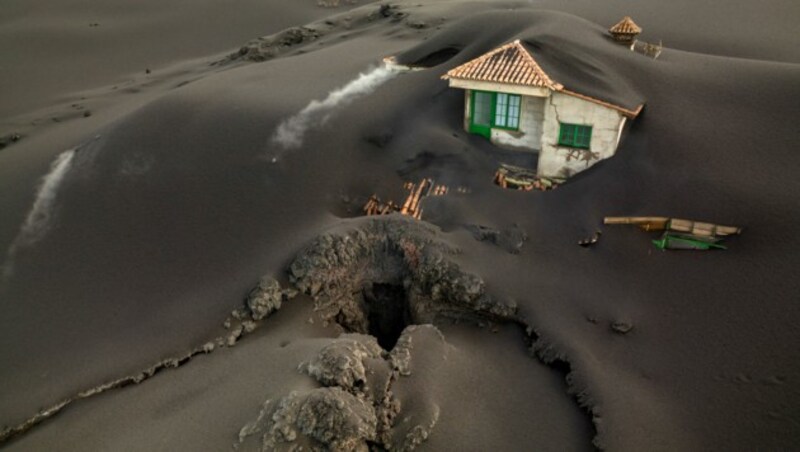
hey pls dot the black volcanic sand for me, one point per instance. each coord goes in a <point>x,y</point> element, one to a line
<point>172,210</point>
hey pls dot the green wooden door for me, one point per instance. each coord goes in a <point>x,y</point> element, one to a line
<point>481,121</point>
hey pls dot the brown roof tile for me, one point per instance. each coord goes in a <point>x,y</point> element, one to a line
<point>626,26</point>
<point>511,63</point>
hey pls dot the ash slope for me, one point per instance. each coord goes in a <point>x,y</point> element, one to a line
<point>710,362</point>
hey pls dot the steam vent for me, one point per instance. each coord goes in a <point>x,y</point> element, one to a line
<point>625,31</point>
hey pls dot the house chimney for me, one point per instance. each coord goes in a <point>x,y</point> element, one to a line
<point>625,31</point>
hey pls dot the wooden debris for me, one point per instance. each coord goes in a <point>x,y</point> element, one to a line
<point>590,241</point>
<point>440,190</point>
<point>648,49</point>
<point>702,229</point>
<point>680,234</point>
<point>676,224</point>
<point>412,206</point>
<point>515,177</point>
<point>646,223</point>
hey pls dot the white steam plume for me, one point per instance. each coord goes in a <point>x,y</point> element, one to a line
<point>289,133</point>
<point>40,216</point>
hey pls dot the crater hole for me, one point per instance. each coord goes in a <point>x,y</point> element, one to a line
<point>387,311</point>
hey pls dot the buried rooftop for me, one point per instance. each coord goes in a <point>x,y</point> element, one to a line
<point>510,99</point>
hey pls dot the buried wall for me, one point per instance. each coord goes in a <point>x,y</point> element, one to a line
<point>528,137</point>
<point>562,162</point>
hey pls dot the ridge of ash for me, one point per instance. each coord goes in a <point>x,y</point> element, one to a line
<point>390,272</point>
<point>385,281</point>
<point>404,261</point>
<point>510,239</point>
<point>267,47</point>
<point>261,302</point>
<point>549,355</point>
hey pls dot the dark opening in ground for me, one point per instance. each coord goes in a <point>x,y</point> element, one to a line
<point>387,312</point>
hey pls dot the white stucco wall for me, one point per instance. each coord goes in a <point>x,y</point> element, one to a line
<point>529,136</point>
<point>562,162</point>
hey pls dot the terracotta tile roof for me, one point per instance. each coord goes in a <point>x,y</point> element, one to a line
<point>626,27</point>
<point>511,63</point>
<point>625,111</point>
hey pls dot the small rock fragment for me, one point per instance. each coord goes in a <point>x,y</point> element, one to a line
<point>234,336</point>
<point>511,239</point>
<point>7,140</point>
<point>346,363</point>
<point>621,327</point>
<point>330,417</point>
<point>265,298</point>
<point>249,326</point>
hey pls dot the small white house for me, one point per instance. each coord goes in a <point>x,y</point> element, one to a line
<point>510,100</point>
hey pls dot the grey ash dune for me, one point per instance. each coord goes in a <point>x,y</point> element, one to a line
<point>168,219</point>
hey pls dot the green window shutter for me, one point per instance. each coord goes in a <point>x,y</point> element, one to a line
<point>575,136</point>
<point>583,137</point>
<point>566,136</point>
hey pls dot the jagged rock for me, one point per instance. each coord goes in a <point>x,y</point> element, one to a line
<point>234,336</point>
<point>621,327</point>
<point>419,433</point>
<point>249,326</point>
<point>239,314</point>
<point>264,48</point>
<point>511,239</point>
<point>267,297</point>
<point>345,363</point>
<point>336,418</point>
<point>386,10</point>
<point>329,417</point>
<point>400,355</point>
<point>358,365</point>
<point>9,139</point>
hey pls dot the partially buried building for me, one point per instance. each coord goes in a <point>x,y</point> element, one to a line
<point>513,102</point>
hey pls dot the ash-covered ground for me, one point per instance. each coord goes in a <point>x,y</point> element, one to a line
<point>186,267</point>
